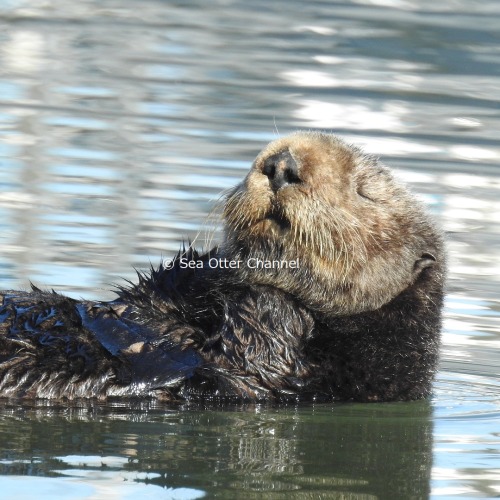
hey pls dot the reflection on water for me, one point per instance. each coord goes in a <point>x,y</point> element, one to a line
<point>240,452</point>
<point>121,122</point>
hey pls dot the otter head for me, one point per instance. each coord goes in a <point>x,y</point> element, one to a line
<point>359,236</point>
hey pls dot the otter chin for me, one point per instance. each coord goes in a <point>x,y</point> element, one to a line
<point>328,285</point>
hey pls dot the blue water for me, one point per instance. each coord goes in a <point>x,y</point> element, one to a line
<point>122,122</point>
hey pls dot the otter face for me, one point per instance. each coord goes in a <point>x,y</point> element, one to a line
<point>361,238</point>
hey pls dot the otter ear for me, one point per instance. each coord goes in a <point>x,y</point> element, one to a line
<point>426,260</point>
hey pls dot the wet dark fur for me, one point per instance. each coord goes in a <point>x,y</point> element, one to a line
<point>203,333</point>
<point>200,333</point>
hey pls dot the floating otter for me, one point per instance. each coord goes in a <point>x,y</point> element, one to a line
<point>328,285</point>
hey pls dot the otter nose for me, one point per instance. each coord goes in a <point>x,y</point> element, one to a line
<point>281,170</point>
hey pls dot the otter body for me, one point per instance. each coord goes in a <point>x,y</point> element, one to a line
<point>331,289</point>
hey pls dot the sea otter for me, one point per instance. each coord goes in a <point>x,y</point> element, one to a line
<point>328,285</point>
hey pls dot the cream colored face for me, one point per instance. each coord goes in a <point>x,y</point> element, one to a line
<point>356,231</point>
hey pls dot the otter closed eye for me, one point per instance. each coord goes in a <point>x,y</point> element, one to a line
<point>313,294</point>
<point>364,195</point>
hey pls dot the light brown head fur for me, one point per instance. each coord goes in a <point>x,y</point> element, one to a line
<point>361,238</point>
